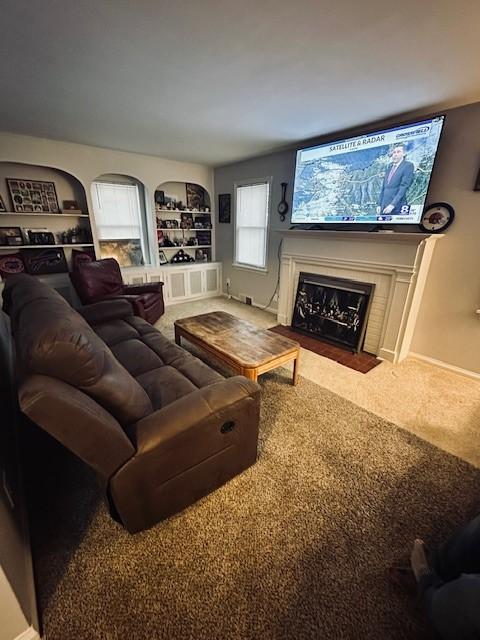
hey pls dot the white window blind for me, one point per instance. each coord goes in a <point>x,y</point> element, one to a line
<point>117,211</point>
<point>251,220</point>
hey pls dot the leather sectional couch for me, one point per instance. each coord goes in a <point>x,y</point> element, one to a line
<point>160,427</point>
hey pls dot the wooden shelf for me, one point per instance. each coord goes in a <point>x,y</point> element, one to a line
<point>44,246</point>
<point>41,214</point>
<point>180,229</point>
<point>190,246</point>
<point>195,213</point>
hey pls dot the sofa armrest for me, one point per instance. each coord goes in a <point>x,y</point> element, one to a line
<point>77,421</point>
<point>115,308</point>
<point>186,450</point>
<point>211,403</point>
<point>139,289</point>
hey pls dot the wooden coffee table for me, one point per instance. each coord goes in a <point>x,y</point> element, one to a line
<point>242,346</point>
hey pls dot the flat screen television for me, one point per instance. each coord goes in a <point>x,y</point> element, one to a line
<point>377,178</point>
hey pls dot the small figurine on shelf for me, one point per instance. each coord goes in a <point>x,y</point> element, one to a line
<point>167,242</point>
<point>76,235</point>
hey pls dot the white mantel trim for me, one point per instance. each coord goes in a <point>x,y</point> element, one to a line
<point>359,265</point>
<point>406,282</point>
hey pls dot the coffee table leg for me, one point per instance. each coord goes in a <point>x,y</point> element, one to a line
<point>177,336</point>
<point>251,374</point>
<point>295,368</point>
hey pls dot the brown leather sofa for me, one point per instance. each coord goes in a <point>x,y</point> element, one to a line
<point>160,427</point>
<point>102,279</point>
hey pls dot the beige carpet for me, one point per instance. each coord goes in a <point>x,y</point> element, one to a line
<point>440,406</point>
<point>294,548</point>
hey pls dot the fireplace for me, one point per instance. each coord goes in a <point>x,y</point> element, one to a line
<point>334,309</point>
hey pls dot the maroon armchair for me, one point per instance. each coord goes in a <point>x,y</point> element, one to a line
<point>102,280</point>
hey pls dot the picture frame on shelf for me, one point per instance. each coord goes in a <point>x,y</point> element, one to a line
<point>40,236</point>
<point>186,220</point>
<point>204,220</point>
<point>127,252</point>
<point>162,258</point>
<point>224,207</point>
<point>32,196</point>
<point>195,196</point>
<point>71,206</point>
<point>201,255</point>
<point>3,208</point>
<point>11,237</point>
<point>44,261</point>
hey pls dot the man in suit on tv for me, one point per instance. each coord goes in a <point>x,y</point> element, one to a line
<point>397,179</point>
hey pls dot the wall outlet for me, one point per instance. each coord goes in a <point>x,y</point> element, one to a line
<point>248,300</point>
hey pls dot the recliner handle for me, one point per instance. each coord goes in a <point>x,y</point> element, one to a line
<point>227,427</point>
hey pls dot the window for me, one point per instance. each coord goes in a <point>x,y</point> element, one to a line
<point>251,220</point>
<point>118,218</point>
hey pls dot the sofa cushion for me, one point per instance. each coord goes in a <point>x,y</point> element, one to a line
<point>165,385</point>
<point>54,340</point>
<point>164,370</point>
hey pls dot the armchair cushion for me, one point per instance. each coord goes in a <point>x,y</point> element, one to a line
<point>102,280</point>
<point>97,279</point>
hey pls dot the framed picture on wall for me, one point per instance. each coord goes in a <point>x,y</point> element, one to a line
<point>162,258</point>
<point>224,207</point>
<point>33,196</point>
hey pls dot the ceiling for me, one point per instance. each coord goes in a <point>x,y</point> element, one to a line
<point>214,81</point>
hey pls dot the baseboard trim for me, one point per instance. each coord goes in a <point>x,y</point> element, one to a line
<point>445,365</point>
<point>28,634</point>
<point>254,304</point>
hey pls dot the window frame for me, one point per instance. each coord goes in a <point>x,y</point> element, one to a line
<point>268,180</point>
<point>142,215</point>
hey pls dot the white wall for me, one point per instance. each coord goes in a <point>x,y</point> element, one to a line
<point>447,329</point>
<point>87,163</point>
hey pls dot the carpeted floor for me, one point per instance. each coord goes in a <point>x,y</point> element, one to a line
<point>295,547</point>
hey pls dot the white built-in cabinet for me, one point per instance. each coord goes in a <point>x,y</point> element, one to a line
<point>181,282</point>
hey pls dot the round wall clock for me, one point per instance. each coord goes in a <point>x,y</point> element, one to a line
<point>437,217</point>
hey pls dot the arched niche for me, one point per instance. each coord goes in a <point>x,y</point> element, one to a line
<point>67,187</point>
<point>112,240</point>
<point>183,222</point>
<point>50,208</point>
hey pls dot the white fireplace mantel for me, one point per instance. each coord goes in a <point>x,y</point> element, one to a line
<point>396,263</point>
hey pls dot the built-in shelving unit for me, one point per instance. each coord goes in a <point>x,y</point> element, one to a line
<point>43,215</point>
<point>72,245</point>
<point>172,227</point>
<point>67,230</point>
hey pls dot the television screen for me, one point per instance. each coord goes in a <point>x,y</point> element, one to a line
<point>378,178</point>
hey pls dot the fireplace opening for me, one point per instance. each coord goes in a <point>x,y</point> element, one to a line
<point>334,309</point>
